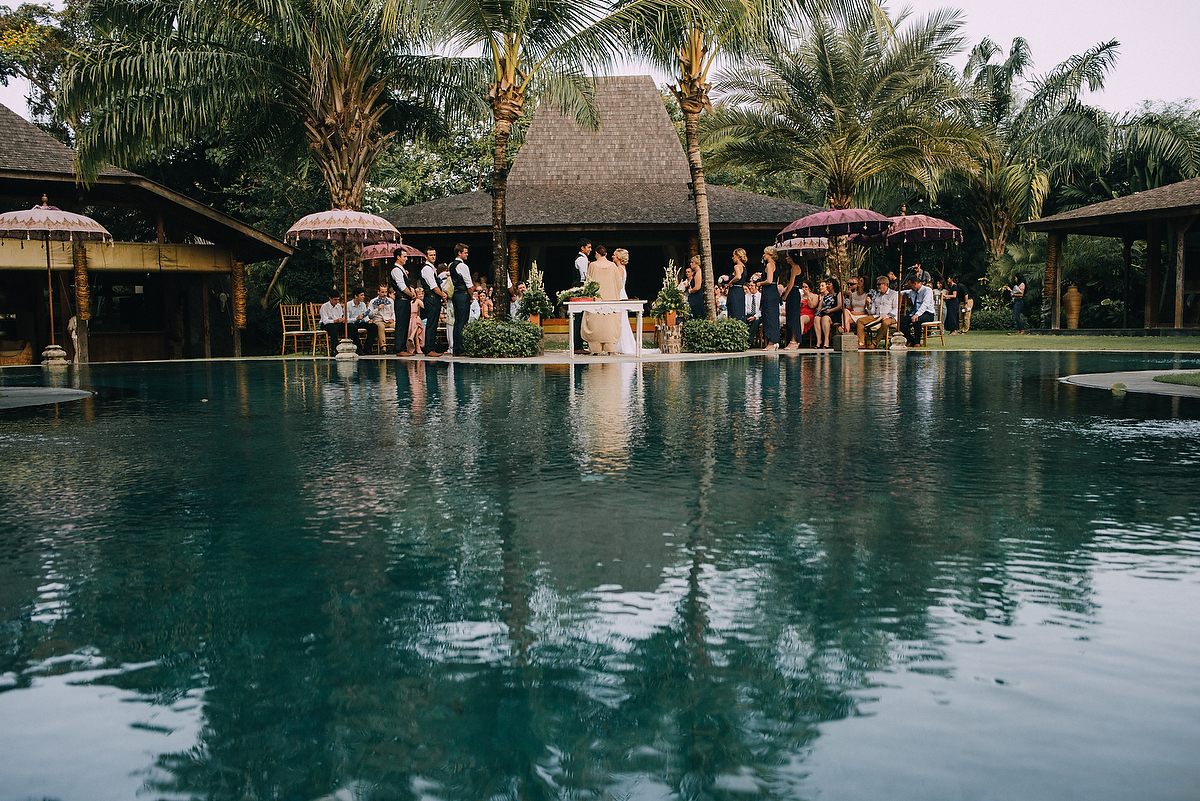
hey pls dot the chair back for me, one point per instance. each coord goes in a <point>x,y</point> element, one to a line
<point>314,315</point>
<point>292,315</point>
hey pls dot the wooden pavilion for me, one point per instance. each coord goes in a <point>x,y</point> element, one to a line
<point>179,292</point>
<point>626,184</point>
<point>1167,214</point>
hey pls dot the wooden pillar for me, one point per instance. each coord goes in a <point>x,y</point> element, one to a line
<point>1052,280</point>
<point>204,314</point>
<point>514,260</point>
<point>1127,259</point>
<point>1153,273</point>
<point>83,299</point>
<point>1181,229</point>
<point>237,279</point>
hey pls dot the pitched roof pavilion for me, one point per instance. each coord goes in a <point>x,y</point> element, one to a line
<point>630,173</point>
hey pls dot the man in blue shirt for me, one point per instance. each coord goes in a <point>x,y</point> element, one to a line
<point>922,307</point>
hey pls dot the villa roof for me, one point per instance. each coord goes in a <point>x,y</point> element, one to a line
<point>33,163</point>
<point>630,173</point>
<point>1126,216</point>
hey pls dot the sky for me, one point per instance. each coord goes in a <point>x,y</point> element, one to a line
<point>1160,42</point>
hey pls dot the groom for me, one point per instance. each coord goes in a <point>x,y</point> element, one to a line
<point>581,267</point>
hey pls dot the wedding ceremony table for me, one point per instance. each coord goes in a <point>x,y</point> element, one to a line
<point>602,306</point>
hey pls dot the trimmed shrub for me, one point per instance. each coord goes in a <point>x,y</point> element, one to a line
<point>993,320</point>
<point>496,339</point>
<point>723,336</point>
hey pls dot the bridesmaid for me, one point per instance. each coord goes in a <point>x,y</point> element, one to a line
<point>695,290</point>
<point>792,300</point>
<point>770,298</point>
<point>736,300</point>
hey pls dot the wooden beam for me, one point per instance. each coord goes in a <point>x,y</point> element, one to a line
<point>1181,229</point>
<point>1052,282</point>
<point>1153,268</point>
<point>1127,256</point>
<point>204,311</point>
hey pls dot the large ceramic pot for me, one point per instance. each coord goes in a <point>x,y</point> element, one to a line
<point>536,319</point>
<point>670,318</point>
<point>1072,301</point>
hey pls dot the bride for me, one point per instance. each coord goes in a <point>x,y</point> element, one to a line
<point>627,345</point>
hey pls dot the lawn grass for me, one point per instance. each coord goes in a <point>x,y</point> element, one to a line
<point>1001,340</point>
<point>1187,379</point>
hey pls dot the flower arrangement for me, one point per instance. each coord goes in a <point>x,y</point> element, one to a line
<point>589,290</point>
<point>670,298</point>
<point>535,300</point>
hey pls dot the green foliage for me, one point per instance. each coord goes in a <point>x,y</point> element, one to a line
<point>534,300</point>
<point>589,290</point>
<point>723,336</point>
<point>35,41</point>
<point>992,320</point>
<point>502,339</point>
<point>670,297</point>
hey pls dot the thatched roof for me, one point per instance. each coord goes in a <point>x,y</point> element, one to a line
<point>1126,216</point>
<point>630,173</point>
<point>33,163</point>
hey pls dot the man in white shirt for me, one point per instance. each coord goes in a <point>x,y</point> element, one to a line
<point>435,296</point>
<point>460,276</point>
<point>357,311</point>
<point>382,317</point>
<point>882,309</point>
<point>333,318</point>
<point>515,300</point>
<point>581,266</point>
<point>404,295</point>
<point>922,311</point>
<point>753,306</point>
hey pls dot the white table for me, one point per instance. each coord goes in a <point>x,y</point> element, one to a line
<point>622,306</point>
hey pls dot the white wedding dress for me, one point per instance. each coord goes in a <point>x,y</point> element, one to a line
<point>626,345</point>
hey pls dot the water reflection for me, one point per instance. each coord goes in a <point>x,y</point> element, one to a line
<point>666,581</point>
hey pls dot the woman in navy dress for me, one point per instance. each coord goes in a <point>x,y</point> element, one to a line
<point>696,292</point>
<point>770,298</point>
<point>736,299</point>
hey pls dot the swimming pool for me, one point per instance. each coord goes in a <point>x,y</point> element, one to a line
<point>944,575</point>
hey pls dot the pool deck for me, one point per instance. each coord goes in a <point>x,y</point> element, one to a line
<point>20,397</point>
<point>1138,381</point>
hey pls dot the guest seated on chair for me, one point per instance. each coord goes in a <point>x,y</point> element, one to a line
<point>333,318</point>
<point>357,309</point>
<point>382,312</point>
<point>922,312</point>
<point>881,313</point>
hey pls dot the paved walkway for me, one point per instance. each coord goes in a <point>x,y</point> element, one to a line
<point>19,397</point>
<point>1140,381</point>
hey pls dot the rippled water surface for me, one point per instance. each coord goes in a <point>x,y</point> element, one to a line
<point>944,576</point>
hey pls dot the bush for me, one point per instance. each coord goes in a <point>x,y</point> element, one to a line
<point>993,320</point>
<point>723,336</point>
<point>507,339</point>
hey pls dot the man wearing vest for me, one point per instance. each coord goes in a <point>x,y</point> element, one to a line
<point>403,305</point>
<point>460,276</point>
<point>581,266</point>
<point>434,297</point>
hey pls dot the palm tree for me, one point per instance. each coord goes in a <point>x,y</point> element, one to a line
<point>687,40</point>
<point>849,102</point>
<point>340,78</point>
<point>535,47</point>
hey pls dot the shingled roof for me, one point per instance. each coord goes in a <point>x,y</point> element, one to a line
<point>1126,216</point>
<point>33,163</point>
<point>630,173</point>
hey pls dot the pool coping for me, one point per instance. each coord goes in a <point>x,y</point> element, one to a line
<point>22,397</point>
<point>1141,381</point>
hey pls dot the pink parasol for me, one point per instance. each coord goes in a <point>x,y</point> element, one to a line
<point>807,246</point>
<point>343,225</point>
<point>385,251</point>
<point>837,222</point>
<point>46,223</point>
<point>922,228</point>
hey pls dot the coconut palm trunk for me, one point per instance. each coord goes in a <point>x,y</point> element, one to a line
<point>692,104</point>
<point>506,109</point>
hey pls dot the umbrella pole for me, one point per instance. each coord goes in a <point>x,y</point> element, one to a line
<point>345,297</point>
<point>50,290</point>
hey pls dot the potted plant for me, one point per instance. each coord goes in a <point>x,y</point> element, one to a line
<point>534,303</point>
<point>671,301</point>
<point>589,291</point>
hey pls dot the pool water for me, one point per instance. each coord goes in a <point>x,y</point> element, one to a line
<point>939,576</point>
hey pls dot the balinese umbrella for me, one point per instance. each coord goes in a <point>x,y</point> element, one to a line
<point>837,222</point>
<point>385,251</point>
<point>343,225</point>
<point>48,223</point>
<point>808,246</point>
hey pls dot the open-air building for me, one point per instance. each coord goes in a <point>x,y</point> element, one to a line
<point>626,184</point>
<point>175,291</point>
<point>1166,215</point>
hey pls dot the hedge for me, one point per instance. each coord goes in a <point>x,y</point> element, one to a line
<point>496,339</point>
<point>723,336</point>
<point>994,320</point>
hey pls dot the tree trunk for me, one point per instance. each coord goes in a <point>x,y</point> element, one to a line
<point>499,232</point>
<point>83,303</point>
<point>691,128</point>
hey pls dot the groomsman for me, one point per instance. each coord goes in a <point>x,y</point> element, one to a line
<point>581,266</point>
<point>460,276</point>
<point>434,298</point>
<point>404,296</point>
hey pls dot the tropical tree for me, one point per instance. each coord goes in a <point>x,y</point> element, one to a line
<point>1036,140</point>
<point>848,102</point>
<point>688,40</point>
<point>340,78</point>
<point>535,48</point>
<point>34,45</point>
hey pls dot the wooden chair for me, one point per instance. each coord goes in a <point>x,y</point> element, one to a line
<point>292,315</point>
<point>935,326</point>
<point>314,322</point>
